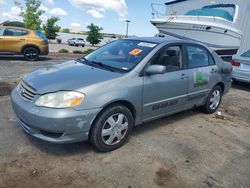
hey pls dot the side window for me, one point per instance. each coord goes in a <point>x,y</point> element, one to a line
<point>197,57</point>
<point>211,60</point>
<point>15,32</point>
<point>171,57</point>
<point>1,31</point>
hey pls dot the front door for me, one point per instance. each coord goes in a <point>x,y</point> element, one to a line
<point>166,93</point>
<point>14,39</point>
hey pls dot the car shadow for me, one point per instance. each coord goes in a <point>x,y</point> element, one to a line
<point>241,85</point>
<point>164,121</point>
<point>60,149</point>
<point>85,147</point>
<point>21,58</point>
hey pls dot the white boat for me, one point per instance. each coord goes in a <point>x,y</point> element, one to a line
<point>213,25</point>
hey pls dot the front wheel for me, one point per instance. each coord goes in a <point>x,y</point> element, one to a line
<point>213,100</point>
<point>31,54</point>
<point>112,128</point>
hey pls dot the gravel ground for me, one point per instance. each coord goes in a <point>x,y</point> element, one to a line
<point>189,149</point>
<point>13,68</point>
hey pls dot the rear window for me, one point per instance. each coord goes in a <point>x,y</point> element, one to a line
<point>41,35</point>
<point>246,54</point>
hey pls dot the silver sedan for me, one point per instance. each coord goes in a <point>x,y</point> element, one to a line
<point>241,67</point>
<point>101,97</point>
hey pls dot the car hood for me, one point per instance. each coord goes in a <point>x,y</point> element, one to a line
<point>71,75</point>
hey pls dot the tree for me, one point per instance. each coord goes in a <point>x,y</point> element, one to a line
<point>94,34</point>
<point>66,30</point>
<point>50,28</point>
<point>31,13</point>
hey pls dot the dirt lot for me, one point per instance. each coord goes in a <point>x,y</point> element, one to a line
<point>189,149</point>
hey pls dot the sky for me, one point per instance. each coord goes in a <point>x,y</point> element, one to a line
<point>77,14</point>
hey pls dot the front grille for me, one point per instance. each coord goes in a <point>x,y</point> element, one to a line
<point>26,91</point>
<point>51,134</point>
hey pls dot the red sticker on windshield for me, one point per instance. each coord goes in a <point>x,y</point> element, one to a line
<point>135,52</point>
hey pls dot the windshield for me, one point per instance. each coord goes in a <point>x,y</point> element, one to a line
<point>246,54</point>
<point>123,55</point>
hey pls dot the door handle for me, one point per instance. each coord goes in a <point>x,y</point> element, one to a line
<point>213,70</point>
<point>183,77</point>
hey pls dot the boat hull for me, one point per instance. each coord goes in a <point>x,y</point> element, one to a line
<point>216,35</point>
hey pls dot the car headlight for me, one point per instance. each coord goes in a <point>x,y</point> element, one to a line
<point>62,99</point>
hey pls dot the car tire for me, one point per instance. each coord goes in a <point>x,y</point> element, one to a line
<point>83,46</point>
<point>31,53</point>
<point>213,100</point>
<point>112,128</point>
<point>235,81</point>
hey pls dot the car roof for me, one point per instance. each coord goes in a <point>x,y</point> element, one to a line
<point>162,40</point>
<point>11,27</point>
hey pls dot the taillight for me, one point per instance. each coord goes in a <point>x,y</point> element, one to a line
<point>235,63</point>
<point>44,42</point>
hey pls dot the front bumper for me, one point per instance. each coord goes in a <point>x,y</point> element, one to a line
<point>53,125</point>
<point>44,50</point>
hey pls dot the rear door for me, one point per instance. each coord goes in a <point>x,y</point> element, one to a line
<point>1,40</point>
<point>166,93</point>
<point>14,39</point>
<point>203,73</point>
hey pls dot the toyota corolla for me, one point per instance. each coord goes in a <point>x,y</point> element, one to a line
<point>101,97</point>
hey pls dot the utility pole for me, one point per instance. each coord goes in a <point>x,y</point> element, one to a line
<point>127,21</point>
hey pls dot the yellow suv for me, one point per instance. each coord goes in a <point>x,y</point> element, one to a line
<point>15,40</point>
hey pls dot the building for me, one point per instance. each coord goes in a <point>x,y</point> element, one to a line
<point>243,22</point>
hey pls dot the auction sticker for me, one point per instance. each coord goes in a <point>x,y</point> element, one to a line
<point>135,52</point>
<point>147,44</point>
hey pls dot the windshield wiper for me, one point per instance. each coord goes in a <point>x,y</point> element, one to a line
<point>103,65</point>
<point>83,60</point>
<point>95,63</point>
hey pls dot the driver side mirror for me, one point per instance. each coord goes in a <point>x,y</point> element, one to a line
<point>155,69</point>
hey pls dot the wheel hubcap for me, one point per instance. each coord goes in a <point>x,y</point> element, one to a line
<point>215,99</point>
<point>31,54</point>
<point>114,129</point>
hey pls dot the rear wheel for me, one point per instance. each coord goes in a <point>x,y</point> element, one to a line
<point>112,128</point>
<point>31,53</point>
<point>213,100</point>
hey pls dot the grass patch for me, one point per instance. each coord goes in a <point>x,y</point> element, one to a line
<point>78,52</point>
<point>63,51</point>
<point>88,51</point>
